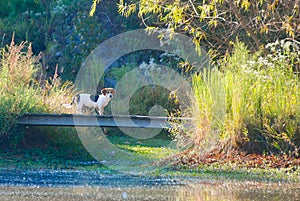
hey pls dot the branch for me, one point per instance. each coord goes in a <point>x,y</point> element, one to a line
<point>244,24</point>
<point>194,8</point>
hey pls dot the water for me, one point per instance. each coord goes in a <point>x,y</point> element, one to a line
<point>67,185</point>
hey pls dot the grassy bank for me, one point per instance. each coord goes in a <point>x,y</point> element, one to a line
<point>214,171</point>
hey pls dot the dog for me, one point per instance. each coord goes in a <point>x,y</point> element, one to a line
<point>97,102</point>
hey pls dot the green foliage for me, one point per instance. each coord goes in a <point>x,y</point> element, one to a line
<point>145,97</point>
<point>54,23</point>
<point>79,33</point>
<point>23,16</point>
<point>253,102</point>
<point>14,7</point>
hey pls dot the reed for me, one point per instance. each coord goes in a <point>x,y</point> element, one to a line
<point>250,102</point>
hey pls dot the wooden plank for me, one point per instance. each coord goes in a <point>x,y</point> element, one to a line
<point>94,120</point>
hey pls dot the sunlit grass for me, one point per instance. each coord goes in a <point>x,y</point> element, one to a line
<point>149,152</point>
<point>251,102</point>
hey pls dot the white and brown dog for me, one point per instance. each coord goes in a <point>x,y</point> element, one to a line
<point>97,102</point>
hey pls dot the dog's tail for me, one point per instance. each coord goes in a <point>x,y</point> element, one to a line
<point>69,105</point>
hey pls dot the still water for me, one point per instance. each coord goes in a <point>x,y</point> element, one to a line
<point>48,185</point>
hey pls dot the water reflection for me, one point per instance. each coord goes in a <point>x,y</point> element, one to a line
<point>239,191</point>
<point>198,191</point>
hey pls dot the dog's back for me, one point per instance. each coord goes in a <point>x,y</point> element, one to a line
<point>75,100</point>
<point>93,101</point>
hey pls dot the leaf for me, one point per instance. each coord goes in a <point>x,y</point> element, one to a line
<point>246,4</point>
<point>93,7</point>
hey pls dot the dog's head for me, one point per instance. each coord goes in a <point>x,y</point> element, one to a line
<point>108,92</point>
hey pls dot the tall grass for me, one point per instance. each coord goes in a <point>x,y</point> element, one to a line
<point>252,102</point>
<point>21,90</point>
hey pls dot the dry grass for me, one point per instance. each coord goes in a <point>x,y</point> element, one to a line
<point>21,90</point>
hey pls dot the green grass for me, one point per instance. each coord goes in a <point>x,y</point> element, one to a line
<point>233,173</point>
<point>156,153</point>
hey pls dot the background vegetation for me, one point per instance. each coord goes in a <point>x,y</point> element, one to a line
<point>249,101</point>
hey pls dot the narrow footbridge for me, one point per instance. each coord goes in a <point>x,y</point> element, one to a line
<point>74,120</point>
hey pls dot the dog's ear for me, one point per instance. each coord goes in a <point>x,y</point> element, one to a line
<point>104,91</point>
<point>113,91</point>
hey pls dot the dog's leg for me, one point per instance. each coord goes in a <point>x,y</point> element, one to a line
<point>79,108</point>
<point>96,111</point>
<point>101,111</point>
<point>105,131</point>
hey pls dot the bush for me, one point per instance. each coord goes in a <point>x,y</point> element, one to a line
<point>251,103</point>
<point>22,92</point>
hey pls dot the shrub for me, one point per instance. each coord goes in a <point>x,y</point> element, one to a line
<point>252,102</point>
<point>22,92</point>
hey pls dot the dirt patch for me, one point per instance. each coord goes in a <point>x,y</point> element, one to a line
<point>194,158</point>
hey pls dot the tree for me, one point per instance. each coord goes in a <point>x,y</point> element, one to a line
<point>215,23</point>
